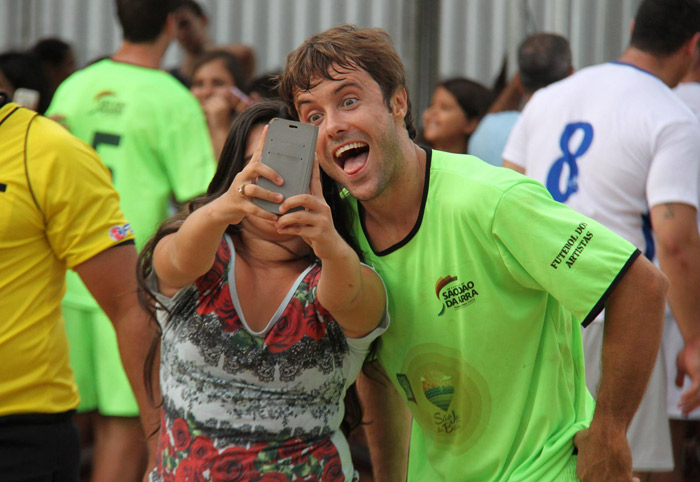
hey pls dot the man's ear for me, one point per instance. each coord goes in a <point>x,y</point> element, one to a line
<point>691,46</point>
<point>399,103</point>
<point>171,24</point>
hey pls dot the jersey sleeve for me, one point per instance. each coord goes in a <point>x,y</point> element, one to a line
<point>187,150</point>
<point>546,245</point>
<point>674,174</point>
<point>74,192</point>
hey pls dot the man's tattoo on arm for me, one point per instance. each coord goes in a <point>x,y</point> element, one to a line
<point>669,211</point>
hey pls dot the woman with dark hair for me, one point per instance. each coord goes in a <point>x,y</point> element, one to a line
<point>266,321</point>
<point>455,110</point>
<point>217,83</point>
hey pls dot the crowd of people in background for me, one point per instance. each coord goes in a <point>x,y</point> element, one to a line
<point>129,179</point>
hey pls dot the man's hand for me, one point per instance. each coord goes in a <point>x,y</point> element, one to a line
<point>603,455</point>
<point>688,363</point>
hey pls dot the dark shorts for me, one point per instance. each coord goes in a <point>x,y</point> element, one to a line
<point>39,448</point>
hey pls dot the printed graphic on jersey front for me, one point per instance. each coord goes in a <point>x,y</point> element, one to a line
<point>448,398</point>
<point>454,294</point>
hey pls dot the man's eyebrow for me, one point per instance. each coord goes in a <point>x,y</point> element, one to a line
<point>342,85</point>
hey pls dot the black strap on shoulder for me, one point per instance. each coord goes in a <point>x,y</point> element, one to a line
<point>4,98</point>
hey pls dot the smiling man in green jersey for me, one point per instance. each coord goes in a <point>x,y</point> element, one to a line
<point>488,279</point>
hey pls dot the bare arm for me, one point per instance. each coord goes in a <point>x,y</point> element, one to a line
<point>676,229</point>
<point>388,424</point>
<point>111,278</point>
<point>633,328</point>
<point>182,257</point>
<point>352,293</point>
<point>510,97</point>
<point>515,167</point>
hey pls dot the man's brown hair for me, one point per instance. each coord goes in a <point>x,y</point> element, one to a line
<point>345,47</point>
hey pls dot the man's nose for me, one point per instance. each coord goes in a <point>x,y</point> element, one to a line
<point>336,124</point>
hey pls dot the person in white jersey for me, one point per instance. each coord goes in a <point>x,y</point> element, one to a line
<point>683,427</point>
<point>616,144</point>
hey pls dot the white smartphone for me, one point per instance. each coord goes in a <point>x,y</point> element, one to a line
<point>289,149</point>
<point>28,98</point>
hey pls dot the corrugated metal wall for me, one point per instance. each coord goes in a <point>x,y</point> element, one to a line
<point>470,37</point>
<point>475,35</point>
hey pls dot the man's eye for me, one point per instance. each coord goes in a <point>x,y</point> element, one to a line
<point>313,118</point>
<point>349,102</point>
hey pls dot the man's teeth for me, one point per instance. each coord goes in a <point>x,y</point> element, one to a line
<point>347,147</point>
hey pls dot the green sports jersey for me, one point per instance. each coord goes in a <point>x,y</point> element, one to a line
<point>486,295</point>
<point>149,131</point>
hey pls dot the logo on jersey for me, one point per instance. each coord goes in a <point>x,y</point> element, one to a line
<point>106,102</point>
<point>103,93</point>
<point>118,233</point>
<point>573,247</point>
<point>454,294</point>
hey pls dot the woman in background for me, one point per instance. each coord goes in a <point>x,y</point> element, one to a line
<point>218,83</point>
<point>455,110</point>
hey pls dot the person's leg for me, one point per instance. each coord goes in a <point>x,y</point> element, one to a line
<point>678,431</point>
<point>120,452</point>
<point>649,433</point>
<point>79,330</point>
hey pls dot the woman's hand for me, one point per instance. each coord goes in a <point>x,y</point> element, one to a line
<point>314,223</point>
<point>236,203</point>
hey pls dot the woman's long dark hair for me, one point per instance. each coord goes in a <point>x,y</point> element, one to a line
<point>231,162</point>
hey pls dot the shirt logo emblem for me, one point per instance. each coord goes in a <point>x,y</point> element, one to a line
<point>455,294</point>
<point>117,233</point>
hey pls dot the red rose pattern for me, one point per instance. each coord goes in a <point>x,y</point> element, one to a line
<point>203,450</point>
<point>181,434</point>
<point>199,455</point>
<point>288,329</point>
<point>333,471</point>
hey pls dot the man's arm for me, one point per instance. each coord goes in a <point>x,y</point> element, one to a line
<point>111,278</point>
<point>388,424</point>
<point>633,329</point>
<point>676,229</point>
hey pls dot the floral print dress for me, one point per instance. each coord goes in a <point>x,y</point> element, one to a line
<point>240,405</point>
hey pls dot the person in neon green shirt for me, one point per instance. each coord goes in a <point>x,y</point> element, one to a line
<point>488,281</point>
<point>151,134</point>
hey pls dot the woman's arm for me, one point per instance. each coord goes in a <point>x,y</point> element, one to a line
<point>352,293</point>
<point>182,257</point>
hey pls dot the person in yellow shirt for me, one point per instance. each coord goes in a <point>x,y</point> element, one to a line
<point>58,211</point>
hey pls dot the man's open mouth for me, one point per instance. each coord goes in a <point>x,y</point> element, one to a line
<point>351,157</point>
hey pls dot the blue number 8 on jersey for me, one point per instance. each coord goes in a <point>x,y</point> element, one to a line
<point>554,175</point>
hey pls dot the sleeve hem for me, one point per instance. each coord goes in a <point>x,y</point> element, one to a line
<point>91,254</point>
<point>601,302</point>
